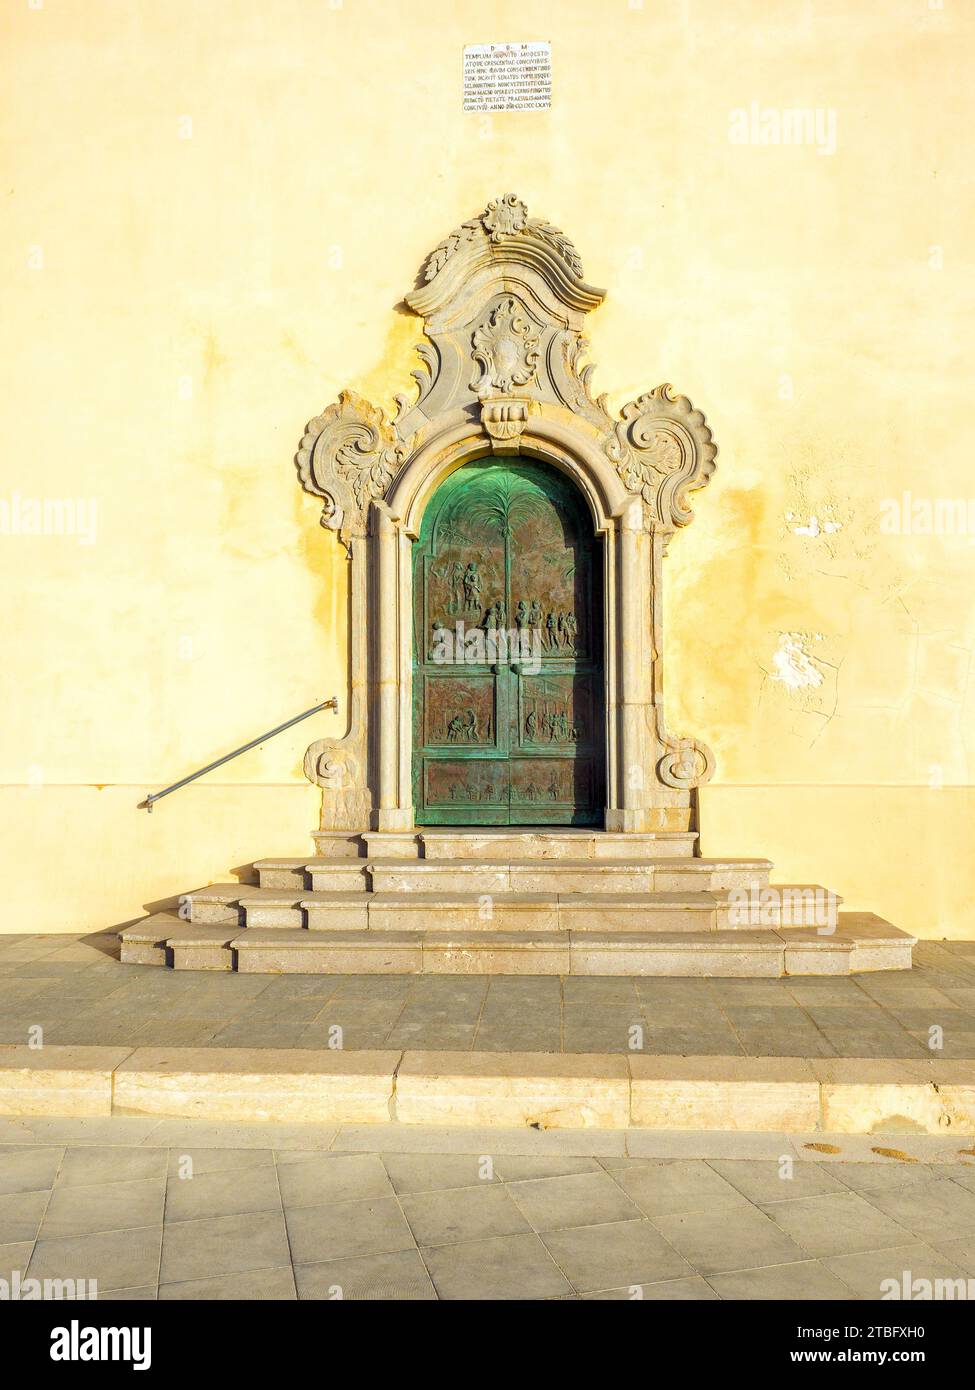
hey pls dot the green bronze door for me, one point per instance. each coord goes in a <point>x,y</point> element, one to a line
<point>507,651</point>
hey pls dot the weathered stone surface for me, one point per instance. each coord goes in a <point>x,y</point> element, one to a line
<point>679,953</point>
<point>144,943</point>
<point>336,911</point>
<point>257,1084</point>
<point>51,1080</point>
<point>356,952</point>
<point>196,947</point>
<point>645,912</point>
<point>496,953</point>
<point>338,844</point>
<point>338,876</point>
<point>574,1091</point>
<point>464,912</point>
<point>216,905</point>
<point>894,1096</point>
<point>736,1093</point>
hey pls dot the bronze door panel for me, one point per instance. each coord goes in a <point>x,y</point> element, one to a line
<point>507,661</point>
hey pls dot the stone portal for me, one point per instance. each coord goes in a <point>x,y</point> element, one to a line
<point>503,301</point>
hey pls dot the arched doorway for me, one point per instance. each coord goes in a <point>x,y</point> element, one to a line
<point>508,724</point>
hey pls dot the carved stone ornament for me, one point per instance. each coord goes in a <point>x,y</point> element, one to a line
<point>506,216</point>
<point>503,369</point>
<point>349,456</point>
<point>346,802</point>
<point>686,763</point>
<point>505,347</point>
<point>504,418</point>
<point>662,449</point>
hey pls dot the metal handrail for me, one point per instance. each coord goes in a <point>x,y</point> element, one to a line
<point>153,797</point>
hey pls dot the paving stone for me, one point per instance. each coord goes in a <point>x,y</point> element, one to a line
<point>866,1273</point>
<point>117,1259</point>
<point>521,1168</point>
<point>261,1285</point>
<point>880,1177</point>
<point>839,1223</point>
<point>742,1239</point>
<point>464,1214</point>
<point>401,1275</point>
<point>20,1216</point>
<point>805,1279</point>
<point>681,1042</point>
<point>661,1189</point>
<point>333,1178</point>
<point>371,1227</point>
<point>964,1174</point>
<point>936,1210</point>
<point>850,1042</point>
<point>609,1255</point>
<point>14,1258</point>
<point>961,1252</point>
<point>767,1182</point>
<point>223,1245</point>
<point>411,1173</point>
<point>98,1163</point>
<point>104,1207</point>
<point>31,1171</point>
<point>552,1204</point>
<point>227,1192</point>
<point>785,1042</point>
<point>502,1267</point>
<point>97,1003</point>
<point>200,1161</point>
<point>692,1290</point>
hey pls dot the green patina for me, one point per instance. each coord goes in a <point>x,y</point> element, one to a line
<point>507,651</point>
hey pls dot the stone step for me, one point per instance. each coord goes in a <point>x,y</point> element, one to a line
<point>339,844</point>
<point>525,875</point>
<point>291,873</point>
<point>575,1098</point>
<point>507,843</point>
<point>562,876</point>
<point>284,908</point>
<point>861,943</point>
<point>164,939</point>
<point>318,875</point>
<point>726,909</point>
<point>216,905</point>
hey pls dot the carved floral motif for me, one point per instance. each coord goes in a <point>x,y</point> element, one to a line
<point>503,217</point>
<point>505,347</point>
<point>349,456</point>
<point>662,449</point>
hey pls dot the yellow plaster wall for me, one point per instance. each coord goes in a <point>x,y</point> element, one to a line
<point>211,212</point>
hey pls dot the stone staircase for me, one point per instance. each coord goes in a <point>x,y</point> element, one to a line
<point>535,902</point>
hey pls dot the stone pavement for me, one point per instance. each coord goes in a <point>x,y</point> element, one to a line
<point>75,989</point>
<point>177,1209</point>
